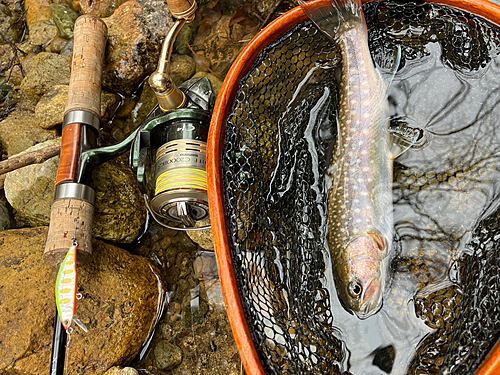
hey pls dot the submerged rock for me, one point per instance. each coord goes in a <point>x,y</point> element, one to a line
<point>167,355</point>
<point>49,69</point>
<point>121,371</point>
<point>120,297</point>
<point>135,33</point>
<point>203,238</point>
<point>119,213</point>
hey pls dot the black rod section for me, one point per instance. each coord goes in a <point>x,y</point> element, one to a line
<point>58,348</point>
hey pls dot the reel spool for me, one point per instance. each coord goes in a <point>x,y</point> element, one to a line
<point>169,156</point>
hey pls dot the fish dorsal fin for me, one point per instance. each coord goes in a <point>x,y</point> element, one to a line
<point>401,136</point>
<point>390,66</point>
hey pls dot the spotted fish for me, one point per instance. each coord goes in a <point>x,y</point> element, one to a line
<point>360,225</point>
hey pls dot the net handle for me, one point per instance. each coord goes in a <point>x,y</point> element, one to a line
<point>244,62</point>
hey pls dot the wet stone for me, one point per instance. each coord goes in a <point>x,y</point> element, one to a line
<point>167,355</point>
<point>112,282</point>
<point>65,18</point>
<point>135,33</point>
<point>182,67</point>
<point>49,69</point>
<point>17,133</point>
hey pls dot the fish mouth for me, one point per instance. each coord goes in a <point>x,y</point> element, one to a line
<point>371,300</point>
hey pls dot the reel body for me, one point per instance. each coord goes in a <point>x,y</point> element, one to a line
<point>169,156</point>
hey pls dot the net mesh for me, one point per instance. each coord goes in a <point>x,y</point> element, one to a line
<point>274,164</point>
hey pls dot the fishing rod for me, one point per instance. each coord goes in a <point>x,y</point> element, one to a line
<point>176,131</point>
<point>72,210</point>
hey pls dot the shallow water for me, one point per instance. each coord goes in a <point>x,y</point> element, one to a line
<point>279,139</point>
<point>441,188</point>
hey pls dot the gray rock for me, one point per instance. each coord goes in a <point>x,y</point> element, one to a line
<point>49,110</point>
<point>49,69</point>
<point>17,133</point>
<point>167,355</point>
<point>182,67</point>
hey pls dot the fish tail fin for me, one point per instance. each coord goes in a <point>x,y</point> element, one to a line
<point>331,14</point>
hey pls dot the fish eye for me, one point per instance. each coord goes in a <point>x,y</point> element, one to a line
<point>354,289</point>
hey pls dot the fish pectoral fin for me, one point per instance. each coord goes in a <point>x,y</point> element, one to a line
<point>401,136</point>
<point>80,324</point>
<point>388,66</point>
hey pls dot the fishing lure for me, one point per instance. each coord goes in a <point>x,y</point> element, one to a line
<point>66,285</point>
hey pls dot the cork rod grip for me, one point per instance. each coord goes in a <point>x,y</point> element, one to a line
<point>182,8</point>
<point>66,215</point>
<point>86,66</point>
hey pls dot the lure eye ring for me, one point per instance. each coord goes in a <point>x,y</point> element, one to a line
<point>354,288</point>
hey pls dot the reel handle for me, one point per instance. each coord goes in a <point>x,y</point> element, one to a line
<point>182,9</point>
<point>72,210</point>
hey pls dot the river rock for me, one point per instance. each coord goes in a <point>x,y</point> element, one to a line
<point>49,110</point>
<point>99,8</point>
<point>215,45</point>
<point>5,218</point>
<point>49,69</point>
<point>11,25</point>
<point>167,355</point>
<point>65,18</point>
<point>120,299</point>
<point>203,238</point>
<point>17,133</point>
<point>41,26</point>
<point>29,189</point>
<point>119,214</point>
<point>135,34</point>
<point>120,211</point>
<point>121,371</point>
<point>182,67</point>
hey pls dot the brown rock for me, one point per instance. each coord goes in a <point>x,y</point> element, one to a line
<point>135,33</point>
<point>19,132</point>
<point>219,46</point>
<point>182,67</point>
<point>49,69</point>
<point>120,297</point>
